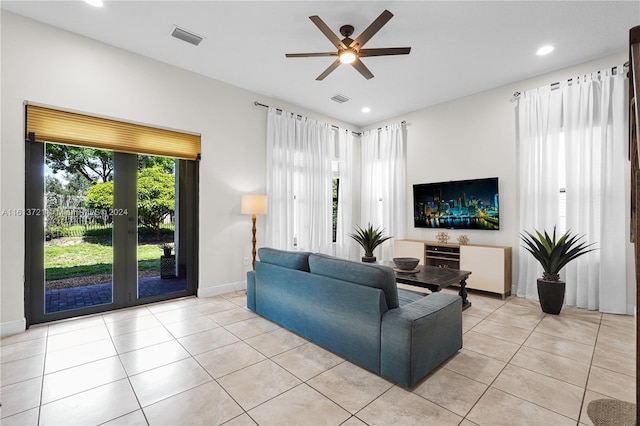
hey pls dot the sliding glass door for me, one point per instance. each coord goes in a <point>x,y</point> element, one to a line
<point>106,230</point>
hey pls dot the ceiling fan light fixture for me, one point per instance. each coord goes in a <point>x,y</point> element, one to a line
<point>347,56</point>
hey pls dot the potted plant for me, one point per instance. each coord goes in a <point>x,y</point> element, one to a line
<point>553,254</point>
<point>369,238</point>
<point>167,249</point>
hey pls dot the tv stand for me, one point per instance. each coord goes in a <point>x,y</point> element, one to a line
<point>490,265</point>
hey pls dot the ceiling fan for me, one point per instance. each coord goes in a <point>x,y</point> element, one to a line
<point>349,50</point>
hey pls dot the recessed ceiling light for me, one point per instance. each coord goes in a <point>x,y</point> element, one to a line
<point>366,110</point>
<point>96,3</point>
<point>544,50</point>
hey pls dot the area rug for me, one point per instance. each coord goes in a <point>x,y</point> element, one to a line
<point>611,412</point>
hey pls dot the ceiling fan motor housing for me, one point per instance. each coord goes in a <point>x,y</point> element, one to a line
<point>349,50</point>
<point>346,30</point>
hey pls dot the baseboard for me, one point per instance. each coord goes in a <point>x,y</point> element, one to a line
<point>13,327</point>
<point>221,289</point>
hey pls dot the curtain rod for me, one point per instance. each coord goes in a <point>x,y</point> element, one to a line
<point>516,95</point>
<point>256,103</point>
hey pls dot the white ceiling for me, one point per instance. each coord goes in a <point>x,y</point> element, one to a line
<point>458,48</point>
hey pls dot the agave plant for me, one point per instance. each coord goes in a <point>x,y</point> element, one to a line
<point>369,238</point>
<point>553,254</point>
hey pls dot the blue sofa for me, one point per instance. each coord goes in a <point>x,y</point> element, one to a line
<point>355,310</point>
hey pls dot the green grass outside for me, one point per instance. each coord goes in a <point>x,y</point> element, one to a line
<point>79,256</point>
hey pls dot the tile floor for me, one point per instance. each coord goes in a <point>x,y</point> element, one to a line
<point>211,361</point>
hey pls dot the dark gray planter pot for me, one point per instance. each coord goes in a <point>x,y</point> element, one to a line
<point>551,295</point>
<point>369,259</point>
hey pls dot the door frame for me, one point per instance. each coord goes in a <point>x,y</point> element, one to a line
<point>124,236</point>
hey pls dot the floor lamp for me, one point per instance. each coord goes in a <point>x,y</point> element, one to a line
<point>253,205</point>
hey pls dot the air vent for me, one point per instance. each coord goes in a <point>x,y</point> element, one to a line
<point>340,98</point>
<point>185,35</point>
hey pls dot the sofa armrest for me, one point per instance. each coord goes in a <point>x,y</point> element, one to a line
<point>251,290</point>
<point>418,337</point>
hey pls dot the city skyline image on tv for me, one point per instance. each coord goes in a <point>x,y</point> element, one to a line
<point>463,204</point>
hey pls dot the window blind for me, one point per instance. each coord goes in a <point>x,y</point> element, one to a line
<point>71,128</point>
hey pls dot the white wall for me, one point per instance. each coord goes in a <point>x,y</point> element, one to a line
<point>467,138</point>
<point>46,65</point>
<point>475,137</point>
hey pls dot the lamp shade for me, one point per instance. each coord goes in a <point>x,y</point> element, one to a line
<point>253,204</point>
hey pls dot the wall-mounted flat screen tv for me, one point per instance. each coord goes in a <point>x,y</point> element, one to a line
<point>460,204</point>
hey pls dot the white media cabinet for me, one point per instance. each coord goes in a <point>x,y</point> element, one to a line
<point>490,266</point>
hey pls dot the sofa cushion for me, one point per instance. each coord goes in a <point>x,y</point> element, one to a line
<point>367,274</point>
<point>289,259</point>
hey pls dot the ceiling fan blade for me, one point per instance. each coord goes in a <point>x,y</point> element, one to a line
<point>327,32</point>
<point>308,55</point>
<point>362,69</point>
<point>385,51</point>
<point>329,70</point>
<point>372,29</point>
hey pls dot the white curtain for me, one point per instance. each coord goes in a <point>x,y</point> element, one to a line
<point>299,154</point>
<point>576,137</point>
<point>346,247</point>
<point>383,188</point>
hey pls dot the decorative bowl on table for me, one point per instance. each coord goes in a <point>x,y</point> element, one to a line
<point>406,263</point>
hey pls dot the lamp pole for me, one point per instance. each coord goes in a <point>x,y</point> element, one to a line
<point>253,242</point>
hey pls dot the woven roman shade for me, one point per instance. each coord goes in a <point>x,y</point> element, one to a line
<point>71,128</point>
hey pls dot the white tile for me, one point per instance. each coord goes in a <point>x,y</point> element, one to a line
<point>553,394</point>
<point>502,409</point>
<point>301,405</point>
<point>133,324</point>
<point>125,314</point>
<point>401,407</point>
<point>132,419</point>
<point>70,381</point>
<point>275,342</point>
<point>33,333</point>
<point>94,406</point>
<point>207,340</point>
<point>496,348</point>
<point>175,315</point>
<point>257,383</point>
<point>251,327</point>
<point>232,315</point>
<point>29,417</point>
<point>552,365</point>
<point>451,390</point>
<point>82,354</point>
<point>207,404</point>
<point>151,357</point>
<point>23,369</point>
<point>227,359</point>
<point>163,382</point>
<point>78,337</point>
<point>476,366</point>
<point>191,326</point>
<point>74,324</point>
<point>21,350</point>
<point>307,361</point>
<point>141,339</point>
<point>20,396</point>
<point>350,386</point>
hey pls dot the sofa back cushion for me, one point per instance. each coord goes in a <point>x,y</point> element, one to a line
<point>367,274</point>
<point>289,259</point>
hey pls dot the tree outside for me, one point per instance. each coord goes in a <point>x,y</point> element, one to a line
<point>79,220</point>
